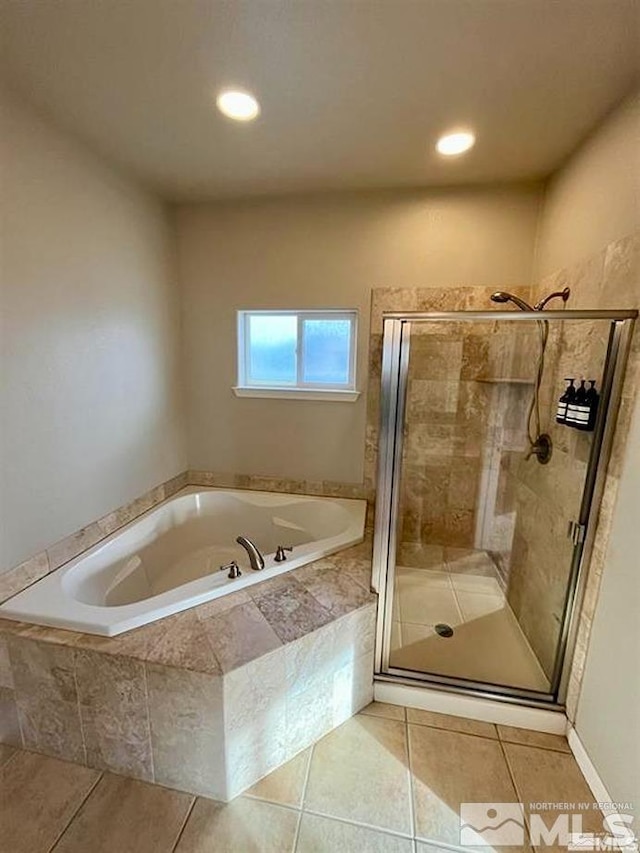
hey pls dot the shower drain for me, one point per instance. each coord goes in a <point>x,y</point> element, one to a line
<point>444,630</point>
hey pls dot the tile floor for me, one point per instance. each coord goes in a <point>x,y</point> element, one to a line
<point>389,780</point>
<point>460,588</point>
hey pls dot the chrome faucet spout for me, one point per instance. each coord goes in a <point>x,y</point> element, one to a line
<point>256,560</point>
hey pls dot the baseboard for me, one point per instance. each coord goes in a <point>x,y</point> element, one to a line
<point>591,775</point>
<point>471,707</point>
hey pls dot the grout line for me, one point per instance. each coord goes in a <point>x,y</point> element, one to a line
<point>307,774</point>
<point>535,745</point>
<point>302,798</point>
<point>454,731</point>
<point>77,811</point>
<point>184,824</point>
<point>382,829</point>
<point>412,811</point>
<point>74,656</point>
<point>16,751</point>
<point>148,717</point>
<point>517,790</point>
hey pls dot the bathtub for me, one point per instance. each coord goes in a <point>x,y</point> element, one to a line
<point>169,559</point>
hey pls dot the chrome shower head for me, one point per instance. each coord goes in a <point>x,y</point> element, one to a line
<point>503,296</point>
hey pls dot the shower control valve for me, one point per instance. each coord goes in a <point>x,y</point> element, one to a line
<point>233,568</point>
<point>280,552</point>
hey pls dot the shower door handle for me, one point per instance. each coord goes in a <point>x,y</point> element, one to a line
<point>576,532</point>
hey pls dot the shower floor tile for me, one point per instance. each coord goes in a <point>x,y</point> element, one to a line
<point>487,643</point>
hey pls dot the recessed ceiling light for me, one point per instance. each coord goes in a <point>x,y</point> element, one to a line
<point>238,105</point>
<point>455,143</point>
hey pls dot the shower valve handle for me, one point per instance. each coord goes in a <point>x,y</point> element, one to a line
<point>280,552</point>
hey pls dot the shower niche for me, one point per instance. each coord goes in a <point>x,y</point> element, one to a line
<point>480,550</point>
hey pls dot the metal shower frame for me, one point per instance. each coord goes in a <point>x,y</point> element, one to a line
<point>395,363</point>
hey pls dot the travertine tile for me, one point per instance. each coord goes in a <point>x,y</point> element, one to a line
<point>335,590</point>
<point>382,709</point>
<point>359,772</point>
<point>255,720</point>
<point>245,825</point>
<point>285,785</point>
<point>137,643</point>
<point>186,644</point>
<point>46,698</point>
<point>451,723</point>
<point>291,610</point>
<point>511,734</point>
<point>6,676</point>
<point>38,798</point>
<point>240,635</point>
<point>321,834</point>
<point>69,547</point>
<point>187,728</point>
<point>448,769</point>
<point>6,752</point>
<point>123,515</point>
<point>19,577</point>
<point>9,724</point>
<point>113,709</point>
<point>127,816</point>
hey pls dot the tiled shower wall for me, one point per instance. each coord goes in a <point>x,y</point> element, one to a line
<point>608,279</point>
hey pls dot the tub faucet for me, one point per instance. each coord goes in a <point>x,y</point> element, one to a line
<point>256,560</point>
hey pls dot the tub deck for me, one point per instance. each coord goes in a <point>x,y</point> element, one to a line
<point>208,700</point>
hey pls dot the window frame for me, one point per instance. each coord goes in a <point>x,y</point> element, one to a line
<point>299,389</point>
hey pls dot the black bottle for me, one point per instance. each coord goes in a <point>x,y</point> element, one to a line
<point>563,402</point>
<point>592,399</point>
<point>578,410</point>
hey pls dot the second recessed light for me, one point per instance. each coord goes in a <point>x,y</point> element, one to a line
<point>238,105</point>
<point>455,143</point>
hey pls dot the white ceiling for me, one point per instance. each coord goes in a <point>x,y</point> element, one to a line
<point>353,92</point>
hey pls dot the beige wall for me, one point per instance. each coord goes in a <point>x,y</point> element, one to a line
<point>590,231</point>
<point>595,198</point>
<point>316,253</point>
<point>90,404</point>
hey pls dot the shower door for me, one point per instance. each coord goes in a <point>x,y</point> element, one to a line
<point>479,543</point>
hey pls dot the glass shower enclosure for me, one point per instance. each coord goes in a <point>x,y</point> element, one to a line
<point>487,497</point>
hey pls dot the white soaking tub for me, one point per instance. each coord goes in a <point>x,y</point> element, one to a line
<point>169,559</point>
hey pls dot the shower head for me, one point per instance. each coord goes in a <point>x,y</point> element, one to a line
<point>503,296</point>
<point>563,294</point>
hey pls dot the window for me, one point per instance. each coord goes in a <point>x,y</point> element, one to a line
<point>297,354</point>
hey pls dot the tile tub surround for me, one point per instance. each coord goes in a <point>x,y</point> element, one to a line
<point>210,700</point>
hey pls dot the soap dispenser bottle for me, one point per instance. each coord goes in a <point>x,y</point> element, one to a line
<point>592,399</point>
<point>578,409</point>
<point>565,399</point>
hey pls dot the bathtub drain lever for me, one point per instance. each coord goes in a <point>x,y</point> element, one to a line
<point>280,552</point>
<point>233,568</point>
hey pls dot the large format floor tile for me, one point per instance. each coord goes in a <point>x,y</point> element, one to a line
<point>360,772</point>
<point>38,798</point>
<point>127,816</point>
<point>511,734</point>
<point>448,769</point>
<point>241,826</point>
<point>547,776</point>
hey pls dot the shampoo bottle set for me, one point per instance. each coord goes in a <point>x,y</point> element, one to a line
<point>578,407</point>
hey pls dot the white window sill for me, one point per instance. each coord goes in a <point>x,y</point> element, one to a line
<point>299,394</point>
